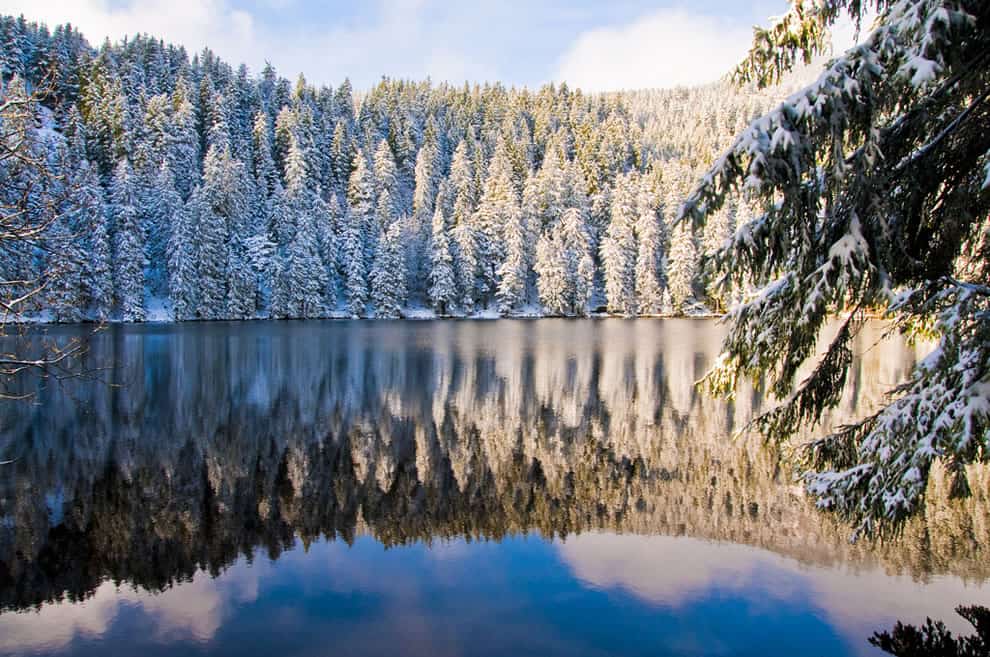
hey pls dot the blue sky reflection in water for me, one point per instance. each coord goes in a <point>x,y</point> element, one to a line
<point>675,540</point>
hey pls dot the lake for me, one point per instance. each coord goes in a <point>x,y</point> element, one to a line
<point>546,487</point>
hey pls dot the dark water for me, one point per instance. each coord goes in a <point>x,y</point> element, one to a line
<point>454,488</point>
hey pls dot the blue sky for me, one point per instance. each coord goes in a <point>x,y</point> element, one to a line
<point>594,45</point>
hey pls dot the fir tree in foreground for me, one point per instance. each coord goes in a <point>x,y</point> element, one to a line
<point>873,183</point>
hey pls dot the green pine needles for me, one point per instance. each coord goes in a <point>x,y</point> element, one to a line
<point>873,183</point>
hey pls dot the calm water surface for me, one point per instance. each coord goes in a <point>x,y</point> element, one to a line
<point>441,488</point>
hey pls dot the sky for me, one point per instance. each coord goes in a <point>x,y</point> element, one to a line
<point>596,45</point>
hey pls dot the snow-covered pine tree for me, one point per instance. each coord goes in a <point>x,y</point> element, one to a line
<point>355,272</point>
<point>329,220</point>
<point>427,173</point>
<point>719,229</point>
<point>184,152</point>
<point>384,215</point>
<point>342,157</point>
<point>426,176</point>
<point>514,272</point>
<point>388,275</point>
<point>551,274</point>
<point>241,290</point>
<point>305,272</point>
<point>89,224</point>
<point>281,281</point>
<point>65,292</point>
<point>161,202</point>
<point>578,263</point>
<point>181,254</point>
<point>875,189</point>
<point>104,110</point>
<point>499,206</point>
<point>443,283</point>
<point>465,251</point>
<point>265,174</point>
<point>618,249</point>
<point>128,256</point>
<point>651,262</point>
<point>221,208</point>
<point>682,267</point>
<point>385,175</point>
<point>357,248</point>
<point>464,241</point>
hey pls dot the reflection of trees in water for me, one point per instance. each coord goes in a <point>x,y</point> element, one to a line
<point>224,442</point>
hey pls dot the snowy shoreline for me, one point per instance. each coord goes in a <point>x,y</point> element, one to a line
<point>413,315</point>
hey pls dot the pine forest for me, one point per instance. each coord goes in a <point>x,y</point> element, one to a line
<point>185,188</point>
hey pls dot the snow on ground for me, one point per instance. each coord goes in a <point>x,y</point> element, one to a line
<point>487,313</point>
<point>158,310</point>
<point>419,313</point>
<point>532,310</point>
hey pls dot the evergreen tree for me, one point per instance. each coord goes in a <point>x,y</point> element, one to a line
<point>361,200</point>
<point>385,180</point>
<point>551,274</point>
<point>578,262</point>
<point>427,173</point>
<point>241,280</point>
<point>513,162</point>
<point>342,156</point>
<point>718,232</point>
<point>651,263</point>
<point>388,276</point>
<point>128,244</point>
<point>305,272</point>
<point>465,251</point>
<point>281,279</point>
<point>65,292</point>
<point>100,266</point>
<point>443,286</point>
<point>89,227</point>
<point>357,247</point>
<point>618,250</point>
<point>873,183</point>
<point>181,254</point>
<point>564,267</point>
<point>355,276</point>
<point>499,206</point>
<point>184,153</point>
<point>220,209</point>
<point>265,174</point>
<point>682,267</point>
<point>161,203</point>
<point>514,272</point>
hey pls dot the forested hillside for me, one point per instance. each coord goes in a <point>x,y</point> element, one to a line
<point>161,185</point>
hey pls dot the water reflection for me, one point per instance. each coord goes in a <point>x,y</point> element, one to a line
<point>328,442</point>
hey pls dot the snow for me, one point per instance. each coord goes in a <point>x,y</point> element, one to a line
<point>925,70</point>
<point>486,313</point>
<point>419,313</point>
<point>158,310</point>
<point>529,311</point>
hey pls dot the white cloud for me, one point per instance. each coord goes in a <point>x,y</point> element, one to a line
<point>666,48</point>
<point>194,609</point>
<point>395,40</point>
<point>677,571</point>
<point>195,24</point>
